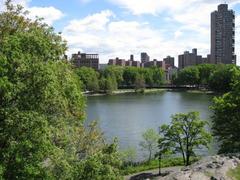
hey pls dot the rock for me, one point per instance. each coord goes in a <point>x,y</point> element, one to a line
<point>213,167</point>
<point>210,165</point>
<point>213,178</point>
<point>186,169</point>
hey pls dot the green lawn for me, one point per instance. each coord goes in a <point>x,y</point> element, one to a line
<point>235,173</point>
<point>153,164</point>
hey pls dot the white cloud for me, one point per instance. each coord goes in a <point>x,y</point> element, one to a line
<point>193,16</point>
<point>50,14</point>
<point>102,33</point>
<point>177,34</point>
<point>90,23</point>
<point>138,7</point>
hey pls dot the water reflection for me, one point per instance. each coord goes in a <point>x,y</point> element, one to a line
<point>128,116</point>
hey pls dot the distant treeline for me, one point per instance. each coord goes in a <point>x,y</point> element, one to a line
<point>114,77</point>
<point>211,76</point>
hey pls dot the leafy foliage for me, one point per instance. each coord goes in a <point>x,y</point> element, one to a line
<point>188,76</point>
<point>226,117</point>
<point>153,164</point>
<point>42,135</point>
<point>128,156</point>
<point>114,72</point>
<point>150,142</point>
<point>89,77</point>
<point>222,78</point>
<point>185,133</point>
<point>215,77</point>
<point>127,76</point>
<point>104,164</point>
<point>139,83</point>
<point>23,154</point>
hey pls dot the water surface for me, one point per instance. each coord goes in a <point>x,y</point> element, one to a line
<point>127,116</point>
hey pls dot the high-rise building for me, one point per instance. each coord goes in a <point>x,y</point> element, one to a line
<point>155,63</point>
<point>223,36</point>
<point>87,60</point>
<point>189,59</point>
<point>117,62</point>
<point>131,57</point>
<point>169,61</point>
<point>144,57</point>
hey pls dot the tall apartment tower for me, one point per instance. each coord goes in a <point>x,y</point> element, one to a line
<point>223,36</point>
<point>145,57</point>
<point>189,59</point>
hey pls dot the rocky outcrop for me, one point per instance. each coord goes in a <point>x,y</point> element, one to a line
<point>209,168</point>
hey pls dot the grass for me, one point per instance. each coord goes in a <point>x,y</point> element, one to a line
<point>153,164</point>
<point>234,173</point>
<point>148,91</point>
<point>200,91</point>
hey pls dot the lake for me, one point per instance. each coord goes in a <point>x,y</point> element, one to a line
<point>127,116</point>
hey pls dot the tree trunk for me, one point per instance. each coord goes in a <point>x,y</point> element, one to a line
<point>159,163</point>
<point>187,153</point>
<point>188,159</point>
<point>150,156</point>
<point>184,159</point>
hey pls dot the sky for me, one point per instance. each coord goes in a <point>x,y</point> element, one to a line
<point>118,28</point>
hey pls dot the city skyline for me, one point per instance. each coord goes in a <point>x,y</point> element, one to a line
<point>120,28</point>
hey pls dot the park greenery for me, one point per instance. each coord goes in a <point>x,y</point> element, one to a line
<point>150,142</point>
<point>234,173</point>
<point>183,135</point>
<point>114,77</point>
<point>214,77</point>
<point>226,116</point>
<point>42,133</point>
<point>225,80</point>
<point>154,164</point>
<point>42,109</point>
<point>217,78</point>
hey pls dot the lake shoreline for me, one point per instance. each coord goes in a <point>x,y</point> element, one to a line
<point>149,91</point>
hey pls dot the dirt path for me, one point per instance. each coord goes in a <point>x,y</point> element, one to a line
<point>153,172</point>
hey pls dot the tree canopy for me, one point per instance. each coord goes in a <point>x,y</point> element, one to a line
<point>42,109</point>
<point>150,142</point>
<point>216,77</point>
<point>226,117</point>
<point>185,133</point>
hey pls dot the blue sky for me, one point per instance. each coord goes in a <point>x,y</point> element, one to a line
<point>118,28</point>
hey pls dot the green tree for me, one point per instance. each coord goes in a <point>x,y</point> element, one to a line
<point>108,84</point>
<point>21,152</point>
<point>129,75</point>
<point>226,117</point>
<point>150,142</point>
<point>139,83</point>
<point>128,156</point>
<point>158,76</point>
<point>188,76</point>
<point>205,71</point>
<point>185,133</point>
<point>111,85</point>
<point>41,105</point>
<point>222,78</point>
<point>105,164</point>
<point>147,74</point>
<point>89,77</point>
<point>114,72</point>
<point>163,149</point>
